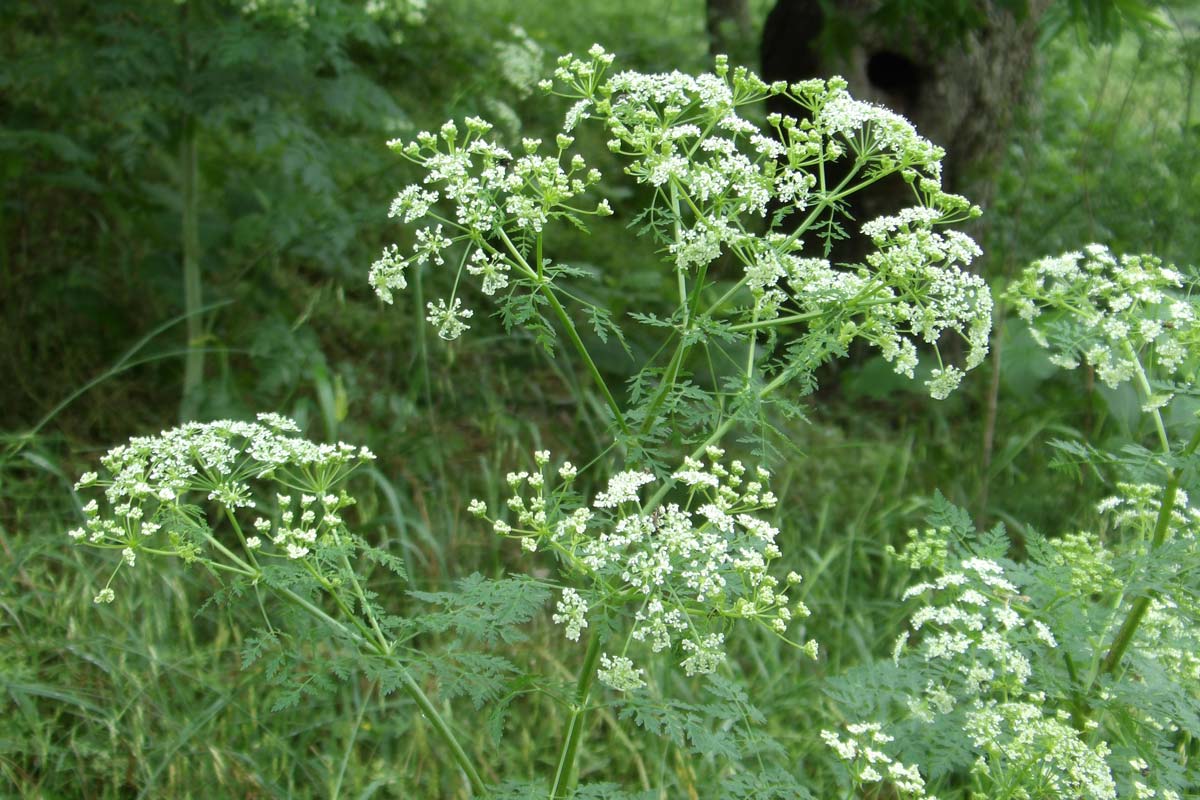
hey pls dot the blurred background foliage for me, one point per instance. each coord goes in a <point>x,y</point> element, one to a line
<point>240,146</point>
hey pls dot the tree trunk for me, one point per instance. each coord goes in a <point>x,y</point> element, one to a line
<point>958,93</point>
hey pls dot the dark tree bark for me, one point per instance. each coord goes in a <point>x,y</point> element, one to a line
<point>959,94</point>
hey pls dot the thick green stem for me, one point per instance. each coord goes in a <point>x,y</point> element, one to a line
<point>1147,392</point>
<point>670,375</point>
<point>411,687</point>
<point>366,607</point>
<point>597,378</point>
<point>1137,612</point>
<point>679,271</point>
<point>564,776</point>
<point>1141,605</point>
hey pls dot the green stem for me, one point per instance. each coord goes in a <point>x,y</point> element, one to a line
<point>1144,384</point>
<point>668,382</point>
<point>715,437</point>
<point>241,536</point>
<point>366,607</point>
<point>679,271</point>
<point>1140,606</point>
<point>249,570</point>
<point>564,778</point>
<point>569,326</point>
<point>336,791</point>
<point>411,687</point>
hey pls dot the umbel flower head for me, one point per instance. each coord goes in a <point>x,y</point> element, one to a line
<point>715,178</point>
<point>975,645</point>
<point>154,489</point>
<point>1125,316</point>
<point>677,573</point>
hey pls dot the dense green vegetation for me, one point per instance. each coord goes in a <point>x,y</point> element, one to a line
<point>194,194</point>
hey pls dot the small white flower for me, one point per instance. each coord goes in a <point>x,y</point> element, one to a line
<point>618,672</point>
<point>571,612</point>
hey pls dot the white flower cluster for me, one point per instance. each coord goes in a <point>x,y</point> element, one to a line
<point>680,569</point>
<point>684,131</point>
<point>862,751</point>
<point>973,638</point>
<point>716,175</point>
<point>618,672</point>
<point>491,191</point>
<point>1121,315</point>
<point>1020,739</point>
<point>977,646</point>
<point>154,481</point>
<point>1136,506</point>
<point>297,535</point>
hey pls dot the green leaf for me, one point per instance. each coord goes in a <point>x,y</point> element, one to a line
<point>481,608</point>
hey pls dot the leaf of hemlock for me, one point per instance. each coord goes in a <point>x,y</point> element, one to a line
<point>944,514</point>
<point>727,728</point>
<point>771,783</point>
<point>389,561</point>
<point>254,646</point>
<point>602,325</point>
<point>485,609</point>
<point>993,544</point>
<point>610,791</point>
<point>481,677</point>
<point>652,320</point>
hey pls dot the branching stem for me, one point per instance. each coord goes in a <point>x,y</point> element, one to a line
<point>564,775</point>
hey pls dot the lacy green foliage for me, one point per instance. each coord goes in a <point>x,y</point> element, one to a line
<point>696,726</point>
<point>1070,673</point>
<point>1011,654</point>
<point>714,180</point>
<point>490,611</point>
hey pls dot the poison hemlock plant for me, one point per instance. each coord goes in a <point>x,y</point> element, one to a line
<point>679,545</point>
<point>1073,672</point>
